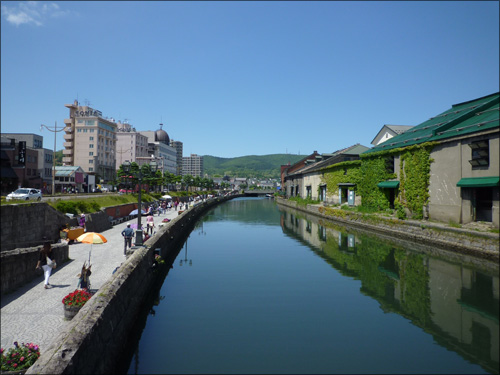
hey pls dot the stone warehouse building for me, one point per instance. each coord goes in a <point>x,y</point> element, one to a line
<point>445,169</point>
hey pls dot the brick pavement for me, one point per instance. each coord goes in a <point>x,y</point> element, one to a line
<point>34,314</point>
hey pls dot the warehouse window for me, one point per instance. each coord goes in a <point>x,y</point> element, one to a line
<point>480,154</point>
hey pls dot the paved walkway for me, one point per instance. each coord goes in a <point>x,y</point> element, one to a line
<point>34,314</point>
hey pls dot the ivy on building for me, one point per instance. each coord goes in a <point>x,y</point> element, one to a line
<point>373,170</point>
<point>345,172</point>
<point>414,176</point>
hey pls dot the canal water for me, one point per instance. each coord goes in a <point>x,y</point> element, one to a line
<point>258,288</point>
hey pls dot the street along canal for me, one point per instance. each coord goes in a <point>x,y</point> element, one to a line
<point>257,289</point>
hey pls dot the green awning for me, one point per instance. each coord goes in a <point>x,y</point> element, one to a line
<point>478,182</point>
<point>388,184</point>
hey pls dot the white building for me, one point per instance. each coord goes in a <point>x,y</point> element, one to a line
<point>160,149</point>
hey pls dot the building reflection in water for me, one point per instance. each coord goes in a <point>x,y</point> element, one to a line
<point>456,301</point>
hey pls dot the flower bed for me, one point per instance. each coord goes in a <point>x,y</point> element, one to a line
<point>20,357</point>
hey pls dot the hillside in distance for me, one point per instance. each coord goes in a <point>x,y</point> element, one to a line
<point>257,166</point>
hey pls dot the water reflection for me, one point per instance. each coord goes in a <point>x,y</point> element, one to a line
<point>456,302</point>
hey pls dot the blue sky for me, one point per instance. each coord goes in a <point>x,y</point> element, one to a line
<point>246,78</point>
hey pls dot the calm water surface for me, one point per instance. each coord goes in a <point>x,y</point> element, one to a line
<point>256,289</point>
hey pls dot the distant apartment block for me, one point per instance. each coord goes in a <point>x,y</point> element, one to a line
<point>192,165</point>
<point>178,148</point>
<point>130,144</point>
<point>90,141</point>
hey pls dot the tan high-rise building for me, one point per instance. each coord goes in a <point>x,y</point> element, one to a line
<point>90,142</point>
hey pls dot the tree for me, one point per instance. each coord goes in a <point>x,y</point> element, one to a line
<point>187,180</point>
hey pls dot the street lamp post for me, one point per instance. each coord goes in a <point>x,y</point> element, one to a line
<point>55,131</point>
<point>126,168</point>
<point>162,170</point>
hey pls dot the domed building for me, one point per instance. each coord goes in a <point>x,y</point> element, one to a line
<point>160,149</point>
<point>162,136</point>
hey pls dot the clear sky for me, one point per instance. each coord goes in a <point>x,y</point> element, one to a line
<point>246,78</point>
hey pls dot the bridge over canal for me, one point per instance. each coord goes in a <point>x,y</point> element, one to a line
<point>258,193</point>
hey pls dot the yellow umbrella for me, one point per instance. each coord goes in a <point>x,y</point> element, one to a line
<point>91,238</point>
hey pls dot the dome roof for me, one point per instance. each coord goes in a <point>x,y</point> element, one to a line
<point>162,136</point>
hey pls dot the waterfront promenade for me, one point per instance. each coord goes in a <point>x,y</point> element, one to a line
<point>34,314</point>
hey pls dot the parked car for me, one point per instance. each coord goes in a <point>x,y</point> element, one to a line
<point>25,194</point>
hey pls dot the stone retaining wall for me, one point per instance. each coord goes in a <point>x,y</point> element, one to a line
<point>18,266</point>
<point>93,341</point>
<point>97,222</point>
<point>478,244</point>
<point>25,225</point>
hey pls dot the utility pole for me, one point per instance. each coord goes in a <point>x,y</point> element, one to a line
<point>55,131</point>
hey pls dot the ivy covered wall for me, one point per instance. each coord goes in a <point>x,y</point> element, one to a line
<point>345,172</point>
<point>414,176</point>
<point>373,170</point>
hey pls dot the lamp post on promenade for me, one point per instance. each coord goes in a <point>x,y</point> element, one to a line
<point>162,170</point>
<point>55,131</point>
<point>126,168</point>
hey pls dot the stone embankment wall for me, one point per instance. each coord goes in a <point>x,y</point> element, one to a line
<point>18,266</point>
<point>92,342</point>
<point>479,244</point>
<point>25,225</point>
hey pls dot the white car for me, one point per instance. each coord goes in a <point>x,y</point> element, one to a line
<point>25,194</point>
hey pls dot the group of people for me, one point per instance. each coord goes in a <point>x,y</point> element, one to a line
<point>47,263</point>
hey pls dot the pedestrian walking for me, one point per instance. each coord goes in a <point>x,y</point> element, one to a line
<point>127,233</point>
<point>46,262</point>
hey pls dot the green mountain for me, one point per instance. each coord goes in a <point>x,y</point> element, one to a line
<point>258,166</point>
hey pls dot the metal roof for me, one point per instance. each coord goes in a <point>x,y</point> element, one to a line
<point>333,158</point>
<point>67,170</point>
<point>464,118</point>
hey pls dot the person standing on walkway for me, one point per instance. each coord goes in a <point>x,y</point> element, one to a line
<point>83,277</point>
<point>127,233</point>
<point>82,221</point>
<point>151,224</point>
<point>44,258</point>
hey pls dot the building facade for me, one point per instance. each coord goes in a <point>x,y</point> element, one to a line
<point>130,144</point>
<point>192,165</point>
<point>463,177</point>
<point>178,148</point>
<point>159,149</point>
<point>70,179</point>
<point>44,157</point>
<point>90,142</point>
<point>389,131</point>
